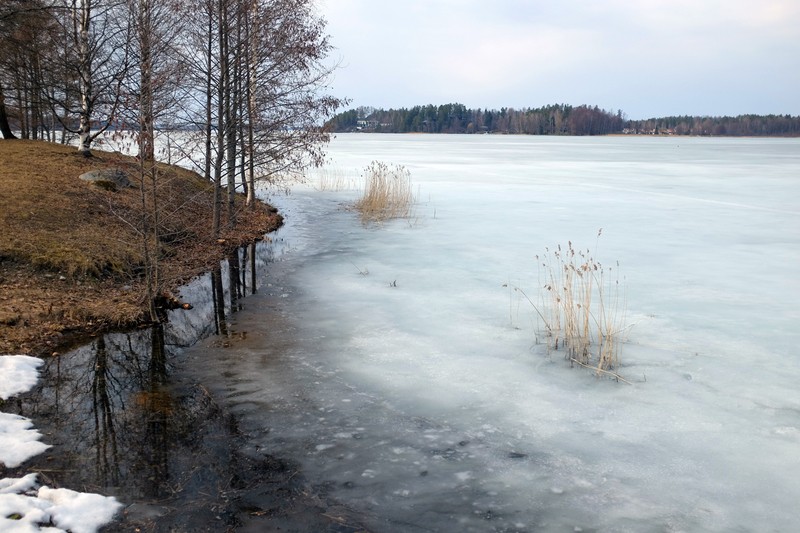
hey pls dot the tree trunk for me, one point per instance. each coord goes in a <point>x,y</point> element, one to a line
<point>221,124</point>
<point>5,128</point>
<point>252,65</point>
<point>85,74</point>
<point>230,120</point>
<point>22,115</point>
<point>209,93</point>
<point>241,118</point>
<point>144,35</point>
<point>146,119</point>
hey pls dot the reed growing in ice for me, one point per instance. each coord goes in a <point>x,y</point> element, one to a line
<point>582,306</point>
<point>387,193</point>
<point>335,179</point>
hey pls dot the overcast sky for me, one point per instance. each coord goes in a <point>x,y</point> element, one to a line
<point>649,58</point>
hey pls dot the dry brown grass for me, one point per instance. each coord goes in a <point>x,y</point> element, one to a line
<point>70,254</point>
<point>387,193</point>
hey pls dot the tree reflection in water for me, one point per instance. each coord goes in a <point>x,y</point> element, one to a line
<point>101,407</point>
<point>119,422</point>
<point>105,438</point>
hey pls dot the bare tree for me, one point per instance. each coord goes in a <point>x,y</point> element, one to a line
<point>258,72</point>
<point>95,65</point>
<point>286,75</point>
<point>5,128</point>
<point>150,93</point>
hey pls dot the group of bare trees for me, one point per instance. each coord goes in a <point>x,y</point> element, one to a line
<point>257,68</point>
<point>240,82</point>
<point>246,76</point>
<point>62,69</point>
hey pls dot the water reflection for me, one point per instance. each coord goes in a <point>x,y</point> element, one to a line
<point>251,254</point>
<point>118,422</point>
<point>218,299</point>
<point>87,407</point>
<point>105,437</point>
<point>156,403</point>
<point>236,283</point>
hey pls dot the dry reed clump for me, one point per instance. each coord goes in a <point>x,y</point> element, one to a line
<point>387,193</point>
<point>582,306</point>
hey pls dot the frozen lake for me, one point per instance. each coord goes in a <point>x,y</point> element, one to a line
<point>394,367</point>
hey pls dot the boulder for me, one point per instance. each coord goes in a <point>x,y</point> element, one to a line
<point>110,179</point>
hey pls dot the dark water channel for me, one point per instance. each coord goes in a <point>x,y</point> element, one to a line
<point>127,415</point>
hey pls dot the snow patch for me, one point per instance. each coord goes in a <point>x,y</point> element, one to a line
<point>24,508</point>
<point>79,512</point>
<point>18,373</point>
<point>18,441</point>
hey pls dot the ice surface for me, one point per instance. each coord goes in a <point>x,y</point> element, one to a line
<point>418,393</point>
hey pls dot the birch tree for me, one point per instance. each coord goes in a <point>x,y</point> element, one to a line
<point>95,55</point>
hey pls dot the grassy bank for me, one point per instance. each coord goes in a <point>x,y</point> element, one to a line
<point>70,256</point>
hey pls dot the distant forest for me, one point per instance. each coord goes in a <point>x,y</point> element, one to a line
<point>557,119</point>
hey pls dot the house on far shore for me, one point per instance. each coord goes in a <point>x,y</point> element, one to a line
<point>366,124</point>
<point>653,131</point>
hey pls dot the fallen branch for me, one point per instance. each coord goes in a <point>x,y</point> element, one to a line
<point>600,370</point>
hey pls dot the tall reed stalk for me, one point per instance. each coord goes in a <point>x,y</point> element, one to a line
<point>582,306</point>
<point>335,179</point>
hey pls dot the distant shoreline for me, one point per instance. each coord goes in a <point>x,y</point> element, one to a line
<point>632,135</point>
<point>554,119</point>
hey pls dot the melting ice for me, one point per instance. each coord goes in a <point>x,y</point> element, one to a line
<point>409,384</point>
